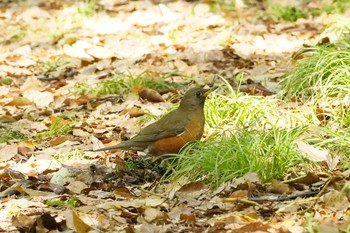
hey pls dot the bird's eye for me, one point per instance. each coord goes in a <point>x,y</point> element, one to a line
<point>198,94</point>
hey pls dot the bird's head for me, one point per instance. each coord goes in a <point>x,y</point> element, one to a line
<point>195,97</point>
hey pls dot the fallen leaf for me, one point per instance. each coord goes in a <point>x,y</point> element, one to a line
<point>77,51</point>
<point>100,52</point>
<point>96,144</point>
<point>31,83</point>
<point>123,192</point>
<point>133,112</point>
<point>332,162</point>
<point>41,99</point>
<point>151,95</point>
<point>312,152</point>
<point>253,227</point>
<point>335,200</point>
<point>8,152</point>
<point>239,194</point>
<point>318,155</point>
<point>192,187</point>
<point>279,187</point>
<point>74,222</point>
<point>309,178</point>
<point>188,218</point>
<point>153,215</point>
<point>31,192</point>
<point>58,140</point>
<point>221,221</point>
<point>20,101</point>
<point>76,186</point>
<point>24,221</point>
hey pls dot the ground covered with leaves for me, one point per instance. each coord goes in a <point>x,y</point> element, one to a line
<point>81,75</point>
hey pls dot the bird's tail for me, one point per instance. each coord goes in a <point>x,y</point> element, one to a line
<point>126,145</point>
<point>118,146</point>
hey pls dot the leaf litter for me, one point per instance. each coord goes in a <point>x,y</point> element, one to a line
<point>49,185</point>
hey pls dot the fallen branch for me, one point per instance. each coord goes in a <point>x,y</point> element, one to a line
<point>256,200</point>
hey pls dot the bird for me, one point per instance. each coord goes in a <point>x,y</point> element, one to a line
<point>174,130</point>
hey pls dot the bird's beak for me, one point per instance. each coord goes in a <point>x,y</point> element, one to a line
<point>207,92</point>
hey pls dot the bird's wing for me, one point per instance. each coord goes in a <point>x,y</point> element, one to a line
<point>170,125</point>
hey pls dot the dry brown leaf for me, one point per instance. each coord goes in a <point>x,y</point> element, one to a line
<point>318,155</point>
<point>310,178</point>
<point>133,112</point>
<point>253,227</point>
<point>7,173</point>
<point>150,95</point>
<point>20,101</point>
<point>76,186</point>
<point>40,99</point>
<point>8,152</point>
<point>123,192</point>
<point>221,221</point>
<point>80,133</point>
<point>153,215</point>
<point>24,221</point>
<point>77,50</point>
<point>74,222</point>
<point>279,187</point>
<point>312,152</point>
<point>31,192</point>
<point>25,148</point>
<point>146,227</point>
<point>189,219</point>
<point>31,83</point>
<point>7,119</point>
<point>58,140</point>
<point>176,212</point>
<point>239,194</point>
<point>192,187</point>
<point>75,102</point>
<point>335,200</point>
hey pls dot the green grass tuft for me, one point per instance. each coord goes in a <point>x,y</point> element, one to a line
<point>88,8</point>
<point>336,7</point>
<point>338,26</point>
<point>221,5</point>
<point>287,13</point>
<point>296,10</point>
<point>323,75</point>
<point>58,127</point>
<point>5,81</point>
<point>270,154</point>
<point>51,65</point>
<point>119,84</point>
<point>7,135</point>
<point>233,111</point>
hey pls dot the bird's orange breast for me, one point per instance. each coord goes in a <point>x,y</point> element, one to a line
<point>193,131</point>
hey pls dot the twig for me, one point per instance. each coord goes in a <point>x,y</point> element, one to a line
<point>284,197</point>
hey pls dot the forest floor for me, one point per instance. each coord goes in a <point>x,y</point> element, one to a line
<point>71,77</point>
